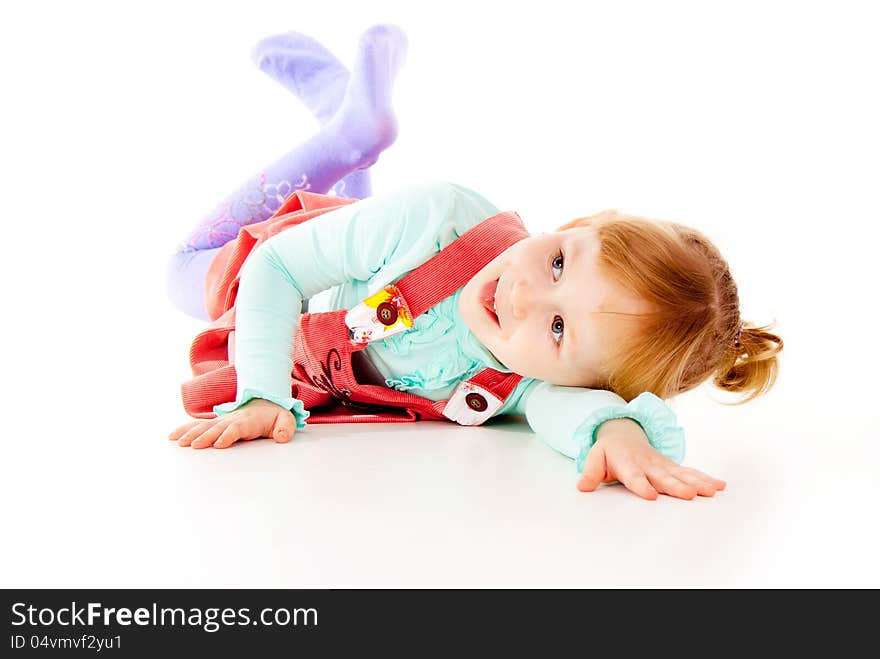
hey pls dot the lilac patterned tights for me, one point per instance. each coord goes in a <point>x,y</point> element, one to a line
<point>357,124</point>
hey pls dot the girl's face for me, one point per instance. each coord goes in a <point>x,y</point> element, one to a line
<point>545,290</point>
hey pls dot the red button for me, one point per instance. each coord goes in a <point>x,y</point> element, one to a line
<point>476,402</point>
<point>386,313</point>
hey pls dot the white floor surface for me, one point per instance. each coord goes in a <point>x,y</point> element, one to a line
<point>427,504</point>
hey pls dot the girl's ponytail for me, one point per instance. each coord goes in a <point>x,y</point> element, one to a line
<point>752,365</point>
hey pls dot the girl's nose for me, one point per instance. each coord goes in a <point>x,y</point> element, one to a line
<point>521,299</point>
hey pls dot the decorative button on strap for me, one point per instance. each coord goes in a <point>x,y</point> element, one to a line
<point>386,313</point>
<point>476,402</point>
<point>378,317</point>
<point>471,404</point>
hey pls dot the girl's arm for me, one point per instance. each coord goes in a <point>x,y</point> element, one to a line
<point>372,242</point>
<point>620,453</point>
<point>568,419</point>
<point>639,443</point>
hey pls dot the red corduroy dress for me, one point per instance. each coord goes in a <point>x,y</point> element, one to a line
<point>322,376</point>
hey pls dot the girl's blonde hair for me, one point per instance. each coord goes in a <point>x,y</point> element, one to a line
<point>691,336</point>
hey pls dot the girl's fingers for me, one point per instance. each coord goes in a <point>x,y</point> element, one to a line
<point>285,426</point>
<point>640,485</point>
<point>636,482</point>
<point>178,432</point>
<point>715,482</point>
<point>668,484</point>
<point>224,431</point>
<point>593,471</point>
<point>228,437</point>
<point>706,487</point>
<point>703,488</point>
<point>197,429</point>
<point>210,435</point>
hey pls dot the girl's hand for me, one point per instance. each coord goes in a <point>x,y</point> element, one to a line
<point>256,418</point>
<point>622,453</point>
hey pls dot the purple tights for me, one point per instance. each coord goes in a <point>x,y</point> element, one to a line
<point>356,125</point>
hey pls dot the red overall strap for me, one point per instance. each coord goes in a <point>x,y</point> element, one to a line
<point>501,384</point>
<point>457,263</point>
<point>476,398</point>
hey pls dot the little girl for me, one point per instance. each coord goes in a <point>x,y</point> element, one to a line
<point>431,300</point>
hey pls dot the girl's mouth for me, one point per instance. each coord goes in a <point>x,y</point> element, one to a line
<point>487,299</point>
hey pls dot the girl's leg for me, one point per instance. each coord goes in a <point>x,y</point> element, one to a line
<point>185,280</point>
<point>311,72</point>
<point>351,140</point>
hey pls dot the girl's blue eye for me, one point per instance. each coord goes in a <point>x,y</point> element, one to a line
<point>557,263</point>
<point>556,327</point>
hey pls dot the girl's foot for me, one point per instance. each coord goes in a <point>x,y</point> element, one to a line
<point>305,68</point>
<point>365,120</point>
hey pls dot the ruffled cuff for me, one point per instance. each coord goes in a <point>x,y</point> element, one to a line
<point>293,404</point>
<point>650,412</point>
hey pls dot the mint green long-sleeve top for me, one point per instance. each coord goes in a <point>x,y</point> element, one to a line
<point>347,254</point>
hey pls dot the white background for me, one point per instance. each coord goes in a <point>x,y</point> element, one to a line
<point>122,124</point>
